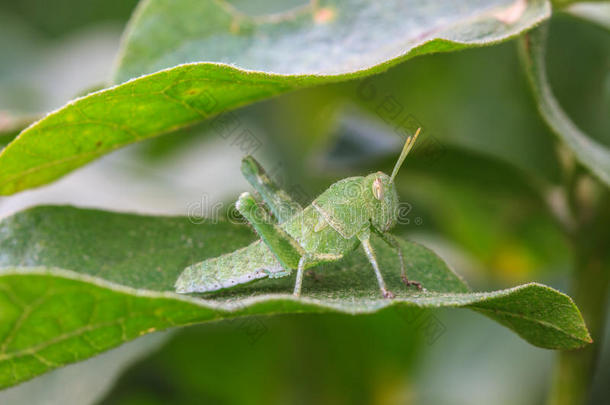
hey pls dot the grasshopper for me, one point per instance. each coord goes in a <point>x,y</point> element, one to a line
<point>335,223</point>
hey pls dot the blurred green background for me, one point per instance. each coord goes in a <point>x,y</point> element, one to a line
<point>476,187</point>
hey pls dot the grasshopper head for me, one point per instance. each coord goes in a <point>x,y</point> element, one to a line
<point>383,198</point>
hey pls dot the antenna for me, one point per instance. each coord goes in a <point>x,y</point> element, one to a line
<point>405,151</point>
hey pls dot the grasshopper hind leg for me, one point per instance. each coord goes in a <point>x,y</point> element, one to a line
<point>277,274</point>
<point>242,266</point>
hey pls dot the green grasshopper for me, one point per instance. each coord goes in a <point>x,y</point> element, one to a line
<point>333,225</point>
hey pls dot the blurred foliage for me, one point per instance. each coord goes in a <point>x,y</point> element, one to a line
<point>67,15</point>
<point>302,359</point>
<point>586,100</point>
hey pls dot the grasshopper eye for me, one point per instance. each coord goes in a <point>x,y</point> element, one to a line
<point>378,189</point>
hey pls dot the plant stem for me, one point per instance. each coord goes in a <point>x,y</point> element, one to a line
<point>590,283</point>
<point>588,152</point>
<point>574,373</point>
<point>590,205</point>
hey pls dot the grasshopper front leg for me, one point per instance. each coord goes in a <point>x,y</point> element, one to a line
<point>370,254</point>
<point>391,240</point>
<point>299,281</point>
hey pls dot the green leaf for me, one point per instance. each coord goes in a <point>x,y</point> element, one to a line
<point>590,153</point>
<point>337,41</point>
<point>326,37</point>
<point>77,282</point>
<point>96,376</point>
